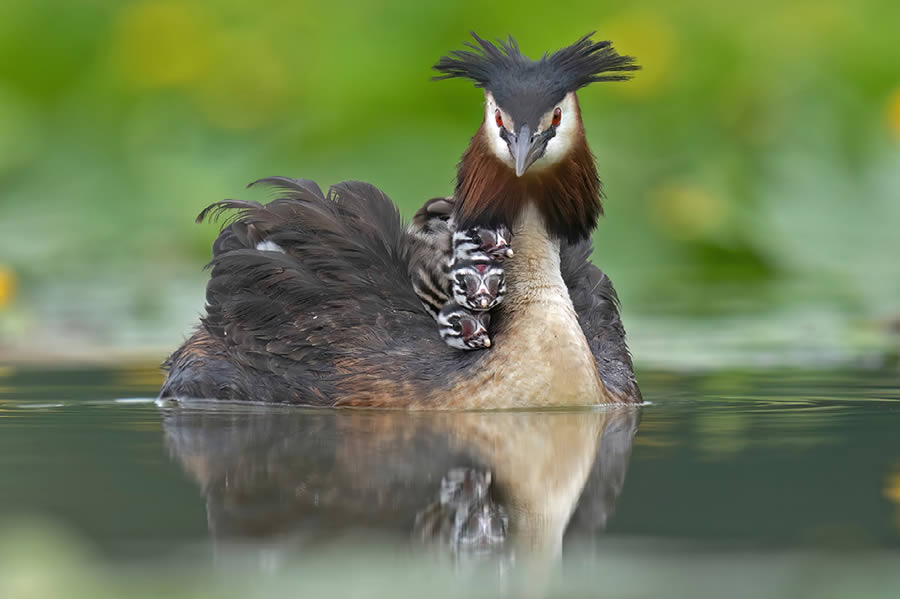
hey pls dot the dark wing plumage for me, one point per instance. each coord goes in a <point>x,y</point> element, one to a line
<point>322,318</point>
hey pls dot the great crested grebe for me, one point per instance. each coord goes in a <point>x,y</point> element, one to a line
<point>310,299</point>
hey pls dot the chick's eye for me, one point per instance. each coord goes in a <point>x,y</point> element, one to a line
<point>455,324</point>
<point>557,117</point>
<point>498,118</point>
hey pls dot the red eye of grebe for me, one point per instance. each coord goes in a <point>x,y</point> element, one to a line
<point>498,118</point>
<point>557,117</point>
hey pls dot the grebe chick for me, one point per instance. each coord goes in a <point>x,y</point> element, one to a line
<point>476,270</point>
<point>431,237</point>
<point>475,242</point>
<point>463,329</point>
<point>478,286</point>
<point>439,247</point>
<point>462,266</point>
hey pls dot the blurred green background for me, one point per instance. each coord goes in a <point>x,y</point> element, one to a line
<point>752,167</point>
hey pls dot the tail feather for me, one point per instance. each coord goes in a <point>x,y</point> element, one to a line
<point>295,187</point>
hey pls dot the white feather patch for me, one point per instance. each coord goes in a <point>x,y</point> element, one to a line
<point>269,246</point>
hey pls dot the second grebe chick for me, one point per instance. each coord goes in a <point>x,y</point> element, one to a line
<point>476,271</point>
<point>458,266</point>
<point>439,248</point>
<point>478,286</point>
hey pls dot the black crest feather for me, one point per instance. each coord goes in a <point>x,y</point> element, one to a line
<point>501,67</point>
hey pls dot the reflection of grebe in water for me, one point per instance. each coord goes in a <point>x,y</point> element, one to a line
<point>469,483</point>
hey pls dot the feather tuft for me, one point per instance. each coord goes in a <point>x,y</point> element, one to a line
<point>501,67</point>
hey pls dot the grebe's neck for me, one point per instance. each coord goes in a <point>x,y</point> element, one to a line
<point>534,273</point>
<point>540,355</point>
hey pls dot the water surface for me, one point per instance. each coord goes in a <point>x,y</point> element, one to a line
<point>760,466</point>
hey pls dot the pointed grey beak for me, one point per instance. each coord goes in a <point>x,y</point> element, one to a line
<point>523,150</point>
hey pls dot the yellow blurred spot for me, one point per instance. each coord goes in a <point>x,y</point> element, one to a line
<point>686,212</point>
<point>162,43</point>
<point>645,441</point>
<point>893,113</point>
<point>141,377</point>
<point>247,88</point>
<point>232,74</point>
<point>892,488</point>
<point>651,41</point>
<point>800,27</point>
<point>892,493</point>
<point>7,286</point>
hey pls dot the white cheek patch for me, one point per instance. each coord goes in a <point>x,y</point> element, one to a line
<point>560,144</point>
<point>492,131</point>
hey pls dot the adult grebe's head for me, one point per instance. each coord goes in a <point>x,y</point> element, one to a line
<point>531,142</point>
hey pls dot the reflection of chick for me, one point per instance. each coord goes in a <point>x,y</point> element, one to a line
<point>892,493</point>
<point>464,518</point>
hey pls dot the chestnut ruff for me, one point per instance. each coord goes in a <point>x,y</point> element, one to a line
<point>568,194</point>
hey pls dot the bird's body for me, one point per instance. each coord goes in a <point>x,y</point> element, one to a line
<point>331,317</point>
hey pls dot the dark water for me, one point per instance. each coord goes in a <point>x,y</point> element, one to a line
<point>745,464</point>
